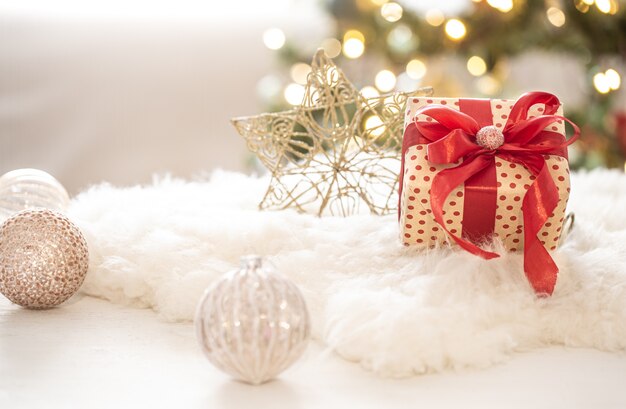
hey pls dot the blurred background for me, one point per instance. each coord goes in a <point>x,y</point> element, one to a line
<point>119,90</point>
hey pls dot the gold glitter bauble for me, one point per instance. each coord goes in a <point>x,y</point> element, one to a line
<point>43,258</point>
<point>253,323</point>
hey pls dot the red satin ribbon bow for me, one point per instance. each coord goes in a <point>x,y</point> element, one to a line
<point>452,137</point>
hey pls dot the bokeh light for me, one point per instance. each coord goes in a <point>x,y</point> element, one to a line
<point>294,94</point>
<point>607,6</point>
<point>385,80</point>
<point>401,39</point>
<point>332,47</point>
<point>600,83</point>
<point>582,6</point>
<point>391,12</point>
<point>604,6</point>
<point>353,44</point>
<point>353,48</point>
<point>434,17</point>
<point>274,38</point>
<point>369,92</point>
<point>613,78</point>
<point>501,5</point>
<point>455,29</point>
<point>605,82</point>
<point>354,34</point>
<point>416,69</point>
<point>269,87</point>
<point>556,16</point>
<point>476,66</point>
<point>299,72</point>
<point>375,126</point>
<point>488,85</point>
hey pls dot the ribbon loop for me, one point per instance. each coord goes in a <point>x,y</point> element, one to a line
<point>520,109</point>
<point>450,118</point>
<point>451,148</point>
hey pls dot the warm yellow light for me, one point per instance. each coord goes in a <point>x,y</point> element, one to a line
<point>353,48</point>
<point>476,66</point>
<point>455,29</point>
<point>605,82</point>
<point>332,46</point>
<point>416,69</point>
<point>607,6</point>
<point>385,80</point>
<point>613,78</point>
<point>488,85</point>
<point>294,94</point>
<point>353,34</point>
<point>274,38</point>
<point>603,5</point>
<point>435,17</point>
<point>299,72</point>
<point>369,92</point>
<point>582,6</point>
<point>588,2</point>
<point>374,125</point>
<point>502,5</point>
<point>556,16</point>
<point>379,2</point>
<point>601,83</point>
<point>506,6</point>
<point>391,12</point>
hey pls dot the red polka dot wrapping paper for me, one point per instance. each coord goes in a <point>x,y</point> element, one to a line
<point>417,223</point>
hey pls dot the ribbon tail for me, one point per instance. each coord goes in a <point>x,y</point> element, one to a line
<point>525,132</point>
<point>539,202</point>
<point>444,183</point>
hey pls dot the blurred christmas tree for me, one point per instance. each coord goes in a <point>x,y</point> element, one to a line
<point>405,40</point>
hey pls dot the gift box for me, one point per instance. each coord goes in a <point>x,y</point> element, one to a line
<point>475,169</point>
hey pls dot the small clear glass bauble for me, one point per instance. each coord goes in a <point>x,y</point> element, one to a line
<point>24,189</point>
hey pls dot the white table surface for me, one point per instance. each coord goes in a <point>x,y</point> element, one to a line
<point>94,354</point>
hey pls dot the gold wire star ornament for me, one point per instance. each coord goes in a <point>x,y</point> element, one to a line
<point>336,153</point>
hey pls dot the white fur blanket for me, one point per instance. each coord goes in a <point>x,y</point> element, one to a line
<point>398,311</point>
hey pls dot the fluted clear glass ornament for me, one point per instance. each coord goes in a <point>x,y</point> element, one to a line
<point>24,189</point>
<point>253,323</point>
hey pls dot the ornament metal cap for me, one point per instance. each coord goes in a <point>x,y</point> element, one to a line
<point>251,262</point>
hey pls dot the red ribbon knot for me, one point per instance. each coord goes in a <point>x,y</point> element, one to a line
<point>457,138</point>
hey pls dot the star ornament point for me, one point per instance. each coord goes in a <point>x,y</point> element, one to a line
<point>338,153</point>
